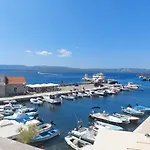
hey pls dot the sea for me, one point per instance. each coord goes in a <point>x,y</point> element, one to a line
<point>66,115</point>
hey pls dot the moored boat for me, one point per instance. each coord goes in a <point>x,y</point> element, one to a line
<point>46,135</point>
<point>53,99</point>
<point>75,142</point>
<point>105,117</point>
<point>130,119</point>
<point>84,133</point>
<point>29,111</point>
<point>99,124</point>
<point>132,111</point>
<point>68,97</point>
<point>36,101</point>
<point>19,117</point>
<point>141,108</point>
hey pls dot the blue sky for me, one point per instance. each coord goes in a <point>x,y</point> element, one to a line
<point>75,33</point>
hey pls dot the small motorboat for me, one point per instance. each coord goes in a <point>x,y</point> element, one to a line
<point>84,133</point>
<point>105,117</point>
<point>100,93</point>
<point>69,97</point>
<point>130,119</point>
<point>19,117</point>
<point>36,101</point>
<point>132,86</point>
<point>99,124</point>
<point>53,99</point>
<point>29,111</point>
<point>13,106</point>
<point>141,108</point>
<point>75,142</point>
<point>46,135</point>
<point>132,111</point>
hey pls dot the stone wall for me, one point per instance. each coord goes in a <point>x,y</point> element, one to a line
<point>15,89</point>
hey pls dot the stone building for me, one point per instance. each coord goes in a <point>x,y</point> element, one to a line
<point>12,85</point>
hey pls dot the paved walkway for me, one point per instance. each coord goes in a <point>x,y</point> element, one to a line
<point>64,90</point>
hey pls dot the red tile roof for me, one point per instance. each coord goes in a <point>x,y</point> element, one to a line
<point>15,80</point>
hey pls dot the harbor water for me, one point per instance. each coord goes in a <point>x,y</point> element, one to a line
<point>66,115</point>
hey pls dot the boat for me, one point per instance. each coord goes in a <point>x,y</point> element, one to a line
<point>141,108</point>
<point>98,124</point>
<point>133,86</point>
<point>19,117</point>
<point>29,111</point>
<point>101,93</point>
<point>46,135</point>
<point>86,134</point>
<point>144,79</point>
<point>53,99</point>
<point>112,81</point>
<point>130,119</point>
<point>98,77</point>
<point>91,93</point>
<point>132,111</point>
<point>105,117</point>
<point>75,142</point>
<point>36,101</point>
<point>69,97</point>
<point>13,106</point>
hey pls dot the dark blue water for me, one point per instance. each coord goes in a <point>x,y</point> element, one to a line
<point>66,115</point>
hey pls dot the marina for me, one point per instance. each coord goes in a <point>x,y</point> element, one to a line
<point>66,115</point>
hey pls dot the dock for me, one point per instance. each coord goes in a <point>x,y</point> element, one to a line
<point>64,90</point>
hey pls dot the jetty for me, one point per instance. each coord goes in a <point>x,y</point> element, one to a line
<point>63,90</point>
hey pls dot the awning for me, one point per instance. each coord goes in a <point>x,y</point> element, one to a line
<point>42,85</point>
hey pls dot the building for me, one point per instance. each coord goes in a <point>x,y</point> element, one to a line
<point>12,85</point>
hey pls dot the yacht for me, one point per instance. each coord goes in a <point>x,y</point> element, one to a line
<point>98,77</point>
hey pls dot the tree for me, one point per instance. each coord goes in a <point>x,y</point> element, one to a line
<point>26,134</point>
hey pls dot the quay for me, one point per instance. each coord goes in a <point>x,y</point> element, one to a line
<point>63,90</point>
<point>139,139</point>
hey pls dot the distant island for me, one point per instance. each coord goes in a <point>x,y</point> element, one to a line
<point>68,69</point>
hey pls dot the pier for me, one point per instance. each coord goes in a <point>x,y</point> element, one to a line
<point>64,90</point>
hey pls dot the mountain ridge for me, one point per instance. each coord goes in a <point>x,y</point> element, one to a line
<point>45,68</point>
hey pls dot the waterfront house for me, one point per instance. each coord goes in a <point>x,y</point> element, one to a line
<point>12,85</point>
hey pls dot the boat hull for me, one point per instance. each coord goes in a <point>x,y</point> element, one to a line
<point>49,136</point>
<point>107,121</point>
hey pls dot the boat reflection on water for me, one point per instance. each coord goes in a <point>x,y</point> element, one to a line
<point>51,107</point>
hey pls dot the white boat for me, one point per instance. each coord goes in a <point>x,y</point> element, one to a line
<point>132,111</point>
<point>52,99</point>
<point>101,93</point>
<point>75,142</point>
<point>29,111</point>
<point>105,117</point>
<point>69,97</point>
<point>98,77</point>
<point>98,124</point>
<point>130,119</point>
<point>36,101</point>
<point>131,85</point>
